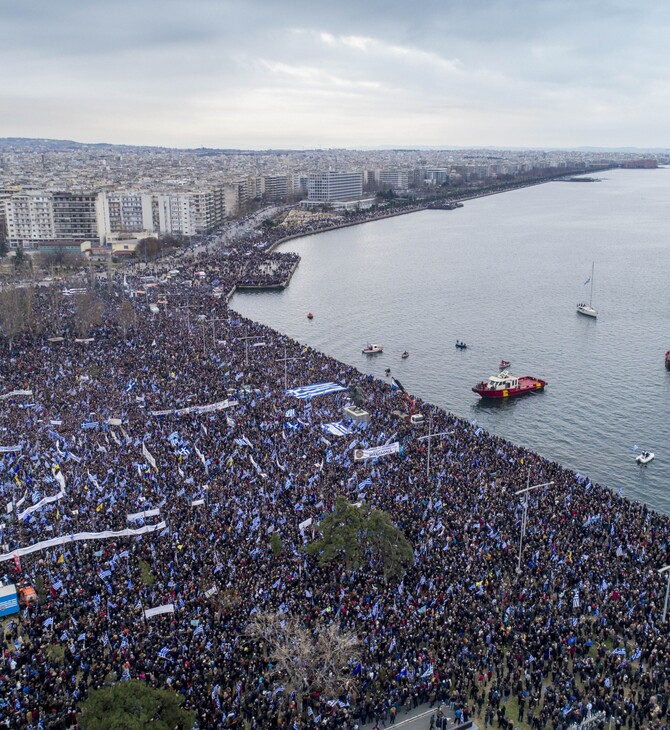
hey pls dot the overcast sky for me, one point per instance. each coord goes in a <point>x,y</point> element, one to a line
<point>337,73</point>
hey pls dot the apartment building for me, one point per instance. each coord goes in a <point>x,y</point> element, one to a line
<point>29,218</point>
<point>74,216</point>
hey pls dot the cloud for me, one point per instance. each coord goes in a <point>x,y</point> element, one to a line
<point>179,72</point>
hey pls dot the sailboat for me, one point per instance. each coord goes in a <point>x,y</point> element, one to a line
<point>587,309</point>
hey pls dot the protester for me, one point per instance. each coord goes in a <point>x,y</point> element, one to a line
<point>577,631</point>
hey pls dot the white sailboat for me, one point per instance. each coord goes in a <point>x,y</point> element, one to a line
<point>587,309</point>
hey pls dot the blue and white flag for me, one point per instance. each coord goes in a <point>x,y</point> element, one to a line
<point>290,413</point>
<point>163,653</point>
<point>338,428</point>
<point>309,391</point>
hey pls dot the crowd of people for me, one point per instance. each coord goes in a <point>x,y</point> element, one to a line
<point>187,418</point>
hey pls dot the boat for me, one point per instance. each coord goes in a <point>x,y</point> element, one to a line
<point>310,315</point>
<point>504,364</point>
<point>373,349</point>
<point>505,385</point>
<point>461,345</point>
<point>667,359</point>
<point>645,457</point>
<point>587,309</point>
<point>387,372</point>
<point>405,355</point>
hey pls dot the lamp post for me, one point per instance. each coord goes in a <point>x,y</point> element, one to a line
<point>285,360</point>
<point>525,514</point>
<point>667,592</point>
<point>430,438</point>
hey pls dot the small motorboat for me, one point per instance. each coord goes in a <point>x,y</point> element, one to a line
<point>310,315</point>
<point>387,372</point>
<point>405,355</point>
<point>504,364</point>
<point>645,457</point>
<point>461,345</point>
<point>373,349</point>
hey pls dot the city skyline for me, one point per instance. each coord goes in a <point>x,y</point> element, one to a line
<point>291,74</point>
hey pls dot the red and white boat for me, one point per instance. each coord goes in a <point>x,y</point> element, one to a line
<point>667,359</point>
<point>505,385</point>
<point>504,364</point>
<point>372,349</point>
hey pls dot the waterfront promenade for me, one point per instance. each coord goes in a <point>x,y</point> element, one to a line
<point>577,629</point>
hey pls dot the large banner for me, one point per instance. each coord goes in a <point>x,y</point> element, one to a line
<point>147,455</point>
<point>14,393</point>
<point>10,449</point>
<point>196,409</point>
<point>166,608</point>
<point>46,544</point>
<point>361,454</point>
<point>143,515</point>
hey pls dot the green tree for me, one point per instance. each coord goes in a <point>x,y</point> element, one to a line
<point>4,249</point>
<point>276,544</point>
<point>133,705</point>
<point>354,534</point>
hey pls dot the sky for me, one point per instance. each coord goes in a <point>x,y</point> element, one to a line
<point>259,74</point>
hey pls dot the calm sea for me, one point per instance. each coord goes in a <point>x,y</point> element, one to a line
<point>504,274</point>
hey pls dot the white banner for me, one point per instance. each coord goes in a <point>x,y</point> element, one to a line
<point>305,524</point>
<point>10,449</point>
<point>211,592</point>
<point>360,454</point>
<point>15,392</point>
<point>149,458</point>
<point>41,503</point>
<point>197,502</point>
<point>166,608</point>
<point>196,409</point>
<point>45,544</point>
<point>143,515</point>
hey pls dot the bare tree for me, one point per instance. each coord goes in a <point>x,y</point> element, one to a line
<point>12,315</point>
<point>88,313</point>
<point>318,659</point>
<point>126,316</point>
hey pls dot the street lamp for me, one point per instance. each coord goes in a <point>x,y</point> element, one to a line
<point>285,360</point>
<point>667,592</point>
<point>525,514</point>
<point>430,437</point>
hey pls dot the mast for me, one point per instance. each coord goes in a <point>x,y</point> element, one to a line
<point>593,263</point>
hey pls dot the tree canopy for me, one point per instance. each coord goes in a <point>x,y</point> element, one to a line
<point>355,534</point>
<point>134,705</point>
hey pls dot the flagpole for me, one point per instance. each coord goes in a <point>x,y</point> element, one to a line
<point>525,514</point>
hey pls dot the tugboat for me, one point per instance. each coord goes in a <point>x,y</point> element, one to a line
<point>310,315</point>
<point>505,385</point>
<point>372,349</point>
<point>667,359</point>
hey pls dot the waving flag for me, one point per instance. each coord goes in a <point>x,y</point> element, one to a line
<point>309,391</point>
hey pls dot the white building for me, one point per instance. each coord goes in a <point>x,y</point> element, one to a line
<point>330,186</point>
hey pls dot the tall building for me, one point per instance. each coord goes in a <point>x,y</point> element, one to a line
<point>330,186</point>
<point>74,216</point>
<point>123,211</point>
<point>29,218</point>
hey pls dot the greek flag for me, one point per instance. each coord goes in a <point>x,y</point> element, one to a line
<point>125,677</point>
<point>199,630</point>
<point>64,636</point>
<point>309,391</point>
<point>104,574</point>
<point>290,413</point>
<point>428,672</point>
<point>163,653</point>
<point>89,424</point>
<point>619,652</point>
<point>636,654</point>
<point>338,428</point>
<point>575,598</point>
<point>48,622</point>
<point>105,640</point>
<point>365,483</point>
<point>36,496</point>
<point>184,451</point>
<point>131,385</point>
<point>57,585</point>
